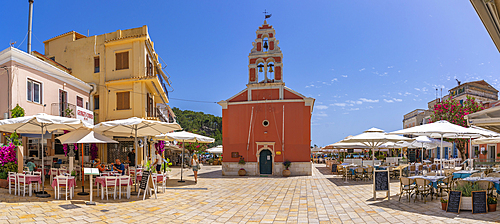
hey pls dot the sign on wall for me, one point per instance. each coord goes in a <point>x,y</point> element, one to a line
<point>85,115</point>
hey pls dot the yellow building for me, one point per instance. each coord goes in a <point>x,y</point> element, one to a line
<point>124,71</point>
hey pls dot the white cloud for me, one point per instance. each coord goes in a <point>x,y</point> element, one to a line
<point>397,100</point>
<point>362,69</point>
<point>351,109</point>
<point>345,76</point>
<point>335,79</point>
<point>400,94</point>
<point>338,104</point>
<point>321,114</point>
<point>310,86</point>
<point>321,107</point>
<point>391,66</point>
<point>389,101</point>
<point>368,100</point>
<point>417,89</point>
<point>354,102</point>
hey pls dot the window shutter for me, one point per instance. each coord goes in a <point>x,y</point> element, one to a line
<point>118,62</point>
<point>125,60</point>
<point>119,101</point>
<point>126,99</point>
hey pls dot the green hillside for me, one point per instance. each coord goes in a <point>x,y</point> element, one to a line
<point>200,123</point>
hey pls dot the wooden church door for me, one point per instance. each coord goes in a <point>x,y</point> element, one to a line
<point>266,162</point>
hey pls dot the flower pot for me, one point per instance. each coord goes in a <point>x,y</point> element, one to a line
<point>286,173</point>
<point>466,203</point>
<point>4,183</point>
<point>444,205</point>
<point>242,172</point>
<point>492,207</point>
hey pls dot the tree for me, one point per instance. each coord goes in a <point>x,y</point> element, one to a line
<point>454,112</point>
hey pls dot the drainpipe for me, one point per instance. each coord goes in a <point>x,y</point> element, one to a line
<point>30,24</point>
<point>91,93</point>
<point>8,91</point>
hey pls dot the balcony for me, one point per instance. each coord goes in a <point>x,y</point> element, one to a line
<point>63,110</point>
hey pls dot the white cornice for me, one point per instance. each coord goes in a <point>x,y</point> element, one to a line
<point>21,57</point>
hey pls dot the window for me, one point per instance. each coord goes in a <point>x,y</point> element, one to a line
<point>96,102</point>
<point>122,60</point>
<point>149,66</point>
<point>34,91</point>
<point>123,101</point>
<point>96,64</point>
<point>265,123</point>
<point>87,105</point>
<point>79,101</point>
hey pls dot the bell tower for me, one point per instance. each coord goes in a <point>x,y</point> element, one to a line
<point>265,58</point>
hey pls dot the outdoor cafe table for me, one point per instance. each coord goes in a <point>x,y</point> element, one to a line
<point>102,181</point>
<point>139,177</point>
<point>434,179</point>
<point>30,179</point>
<point>463,173</point>
<point>71,183</point>
<point>495,180</point>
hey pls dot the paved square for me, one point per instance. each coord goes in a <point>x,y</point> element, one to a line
<point>321,198</point>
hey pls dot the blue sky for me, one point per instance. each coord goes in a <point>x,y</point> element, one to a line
<point>367,63</point>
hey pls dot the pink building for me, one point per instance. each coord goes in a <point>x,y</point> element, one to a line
<point>40,87</point>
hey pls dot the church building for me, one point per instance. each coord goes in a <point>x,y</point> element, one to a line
<point>267,123</point>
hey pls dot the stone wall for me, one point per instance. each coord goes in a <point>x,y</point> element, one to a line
<point>252,168</point>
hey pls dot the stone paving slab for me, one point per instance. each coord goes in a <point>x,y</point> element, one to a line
<point>320,198</point>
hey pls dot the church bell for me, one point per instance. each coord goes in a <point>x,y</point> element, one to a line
<point>271,68</point>
<point>265,45</point>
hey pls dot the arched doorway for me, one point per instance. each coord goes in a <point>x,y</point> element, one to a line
<point>266,162</point>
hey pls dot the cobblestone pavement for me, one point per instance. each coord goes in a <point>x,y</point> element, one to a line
<point>321,198</point>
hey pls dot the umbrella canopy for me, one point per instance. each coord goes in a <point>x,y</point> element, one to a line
<point>184,136</point>
<point>136,127</point>
<point>429,143</point>
<point>84,136</point>
<point>40,123</point>
<point>375,137</point>
<point>486,140</point>
<point>216,150</point>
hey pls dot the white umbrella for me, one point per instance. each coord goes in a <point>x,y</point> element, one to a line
<point>486,140</point>
<point>185,136</point>
<point>84,136</point>
<point>438,129</point>
<point>215,150</point>
<point>40,123</point>
<point>429,143</point>
<point>136,127</point>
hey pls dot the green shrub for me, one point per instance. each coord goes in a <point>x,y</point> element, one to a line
<point>467,189</point>
<point>3,175</point>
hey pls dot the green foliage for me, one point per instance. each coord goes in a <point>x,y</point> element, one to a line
<point>211,160</point>
<point>14,139</point>
<point>443,200</point>
<point>73,173</point>
<point>467,189</point>
<point>200,123</point>
<point>454,112</point>
<point>68,112</point>
<point>242,161</point>
<point>8,167</point>
<point>491,200</point>
<point>3,175</point>
<point>17,112</point>
<point>287,164</point>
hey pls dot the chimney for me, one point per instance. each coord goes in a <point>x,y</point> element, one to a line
<point>30,18</point>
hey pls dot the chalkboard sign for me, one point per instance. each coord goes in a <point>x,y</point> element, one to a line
<point>454,198</point>
<point>381,181</point>
<point>479,199</point>
<point>144,180</point>
<point>334,168</point>
<point>350,150</point>
<point>412,157</point>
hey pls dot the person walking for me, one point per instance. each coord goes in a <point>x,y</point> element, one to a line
<point>158,162</point>
<point>195,164</point>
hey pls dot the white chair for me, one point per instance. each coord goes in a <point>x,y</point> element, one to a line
<point>62,171</point>
<point>36,173</point>
<point>62,181</point>
<point>110,181</point>
<point>21,180</point>
<point>164,182</point>
<point>124,181</point>
<point>12,179</point>
<point>53,173</point>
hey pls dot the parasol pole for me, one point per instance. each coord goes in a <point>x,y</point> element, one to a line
<point>81,174</point>
<point>182,162</point>
<point>43,194</point>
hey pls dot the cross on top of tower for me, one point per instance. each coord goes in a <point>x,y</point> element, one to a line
<point>266,16</point>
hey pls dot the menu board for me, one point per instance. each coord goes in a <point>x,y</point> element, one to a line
<point>350,150</point>
<point>381,181</point>
<point>334,168</point>
<point>479,202</point>
<point>454,198</point>
<point>144,180</point>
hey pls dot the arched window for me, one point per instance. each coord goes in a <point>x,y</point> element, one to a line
<point>265,44</point>
<point>270,66</point>
<point>260,71</point>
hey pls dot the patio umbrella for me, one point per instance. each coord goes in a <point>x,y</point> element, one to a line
<point>40,123</point>
<point>428,143</point>
<point>438,129</point>
<point>84,136</point>
<point>136,127</point>
<point>185,136</point>
<point>215,150</point>
<point>374,138</point>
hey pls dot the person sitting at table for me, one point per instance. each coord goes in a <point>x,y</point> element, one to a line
<point>119,166</point>
<point>99,166</point>
<point>31,165</point>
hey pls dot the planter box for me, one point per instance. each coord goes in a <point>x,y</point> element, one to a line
<point>466,203</point>
<point>4,183</point>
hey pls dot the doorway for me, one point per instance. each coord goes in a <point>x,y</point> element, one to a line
<point>491,153</point>
<point>266,162</point>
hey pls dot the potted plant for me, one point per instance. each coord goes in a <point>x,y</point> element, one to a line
<point>73,173</point>
<point>211,161</point>
<point>466,200</point>
<point>286,172</point>
<point>492,204</point>
<point>3,180</point>
<point>242,171</point>
<point>444,203</point>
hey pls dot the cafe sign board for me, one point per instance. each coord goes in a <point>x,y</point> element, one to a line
<point>86,116</point>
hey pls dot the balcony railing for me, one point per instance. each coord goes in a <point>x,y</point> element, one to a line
<point>63,110</point>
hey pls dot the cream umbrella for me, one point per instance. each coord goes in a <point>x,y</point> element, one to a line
<point>215,150</point>
<point>185,136</point>
<point>40,123</point>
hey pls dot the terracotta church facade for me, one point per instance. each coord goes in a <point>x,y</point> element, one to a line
<point>267,123</point>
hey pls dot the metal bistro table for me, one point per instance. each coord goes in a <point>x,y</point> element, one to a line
<point>463,173</point>
<point>433,179</point>
<point>495,180</point>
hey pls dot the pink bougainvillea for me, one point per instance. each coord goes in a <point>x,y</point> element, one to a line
<point>8,154</point>
<point>93,151</point>
<point>160,146</point>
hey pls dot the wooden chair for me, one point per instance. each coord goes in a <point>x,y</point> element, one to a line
<point>124,181</point>
<point>420,168</point>
<point>433,167</point>
<point>12,182</point>
<point>477,174</point>
<point>407,186</point>
<point>486,185</point>
<point>62,182</point>
<point>369,173</point>
<point>493,175</point>
<point>412,170</point>
<point>423,188</point>
<point>358,173</point>
<point>445,184</point>
<point>391,172</point>
<point>21,182</point>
